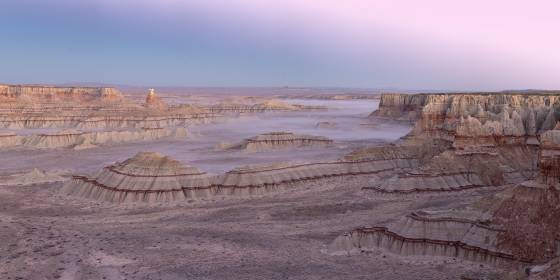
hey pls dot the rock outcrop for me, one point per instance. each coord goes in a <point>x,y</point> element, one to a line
<point>401,107</point>
<point>87,139</point>
<point>29,93</point>
<point>503,139</point>
<point>280,140</point>
<point>490,118</point>
<point>154,102</point>
<point>34,176</point>
<point>267,106</point>
<point>29,107</point>
<point>429,235</point>
<point>549,157</point>
<point>243,181</point>
<point>146,177</point>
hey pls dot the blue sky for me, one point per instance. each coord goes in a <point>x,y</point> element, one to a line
<point>471,45</point>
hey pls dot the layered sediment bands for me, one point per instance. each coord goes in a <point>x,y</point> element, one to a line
<point>403,107</point>
<point>271,105</point>
<point>510,117</point>
<point>14,93</point>
<point>517,225</point>
<point>372,238</point>
<point>10,139</point>
<point>83,140</point>
<point>549,157</point>
<point>428,183</point>
<point>103,122</point>
<point>243,181</point>
<point>453,171</point>
<point>429,235</point>
<point>280,140</point>
<point>147,177</point>
<point>34,176</point>
<point>88,108</point>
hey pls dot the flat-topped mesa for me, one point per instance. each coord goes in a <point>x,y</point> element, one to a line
<point>146,177</point>
<point>29,107</point>
<point>401,107</point>
<point>15,93</point>
<point>281,140</point>
<point>270,105</point>
<point>87,139</point>
<point>154,102</point>
<point>473,119</point>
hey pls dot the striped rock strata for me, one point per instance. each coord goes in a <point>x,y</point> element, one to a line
<point>14,93</point>
<point>268,106</point>
<point>81,140</point>
<point>88,108</point>
<point>148,177</point>
<point>429,235</point>
<point>476,118</point>
<point>243,181</point>
<point>519,226</point>
<point>549,157</point>
<point>280,140</point>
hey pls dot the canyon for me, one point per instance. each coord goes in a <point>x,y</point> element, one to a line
<point>100,183</point>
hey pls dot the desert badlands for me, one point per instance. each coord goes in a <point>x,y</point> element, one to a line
<point>102,183</point>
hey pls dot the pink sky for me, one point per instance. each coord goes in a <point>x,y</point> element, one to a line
<point>412,44</point>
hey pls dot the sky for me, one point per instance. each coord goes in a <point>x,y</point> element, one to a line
<point>397,44</point>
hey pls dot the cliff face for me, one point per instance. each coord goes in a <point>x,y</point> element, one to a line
<point>475,119</point>
<point>504,139</point>
<point>53,94</point>
<point>404,107</point>
<point>549,157</point>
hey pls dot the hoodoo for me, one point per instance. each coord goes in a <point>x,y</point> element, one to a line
<point>154,102</point>
<point>147,177</point>
<point>281,140</point>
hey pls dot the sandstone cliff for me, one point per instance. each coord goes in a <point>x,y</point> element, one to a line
<point>52,93</point>
<point>469,119</point>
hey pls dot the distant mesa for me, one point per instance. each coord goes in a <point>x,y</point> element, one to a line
<point>279,140</point>
<point>35,106</point>
<point>266,106</point>
<point>22,93</point>
<point>326,125</point>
